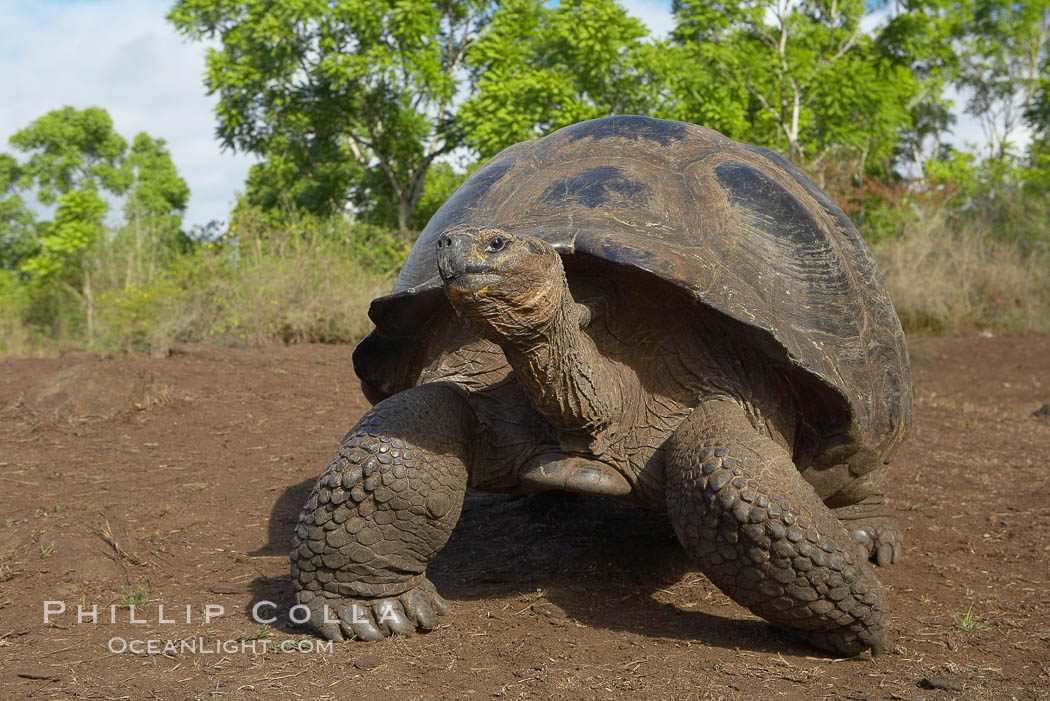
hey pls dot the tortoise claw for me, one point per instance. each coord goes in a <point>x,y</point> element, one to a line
<point>339,619</point>
<point>879,540</point>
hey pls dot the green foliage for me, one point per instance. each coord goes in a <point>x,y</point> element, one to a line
<point>72,155</point>
<point>15,335</point>
<point>441,181</point>
<point>1006,49</point>
<point>75,161</point>
<point>268,280</point>
<point>308,179</point>
<point>541,67</point>
<point>343,95</point>
<point>801,78</point>
<point>15,218</point>
<point>1005,57</point>
<point>76,156</point>
<point>298,280</point>
<point>375,248</point>
<point>1037,177</point>
<point>72,149</point>
<point>76,227</point>
<point>1037,117</point>
<point>135,597</point>
<point>355,107</point>
<point>968,622</point>
<point>923,36</point>
<point>156,191</point>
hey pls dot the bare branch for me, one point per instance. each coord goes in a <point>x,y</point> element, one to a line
<point>846,45</point>
<point>355,149</point>
<point>464,43</point>
<point>765,103</point>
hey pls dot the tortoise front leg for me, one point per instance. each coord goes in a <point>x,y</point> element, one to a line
<point>764,537</point>
<point>385,505</point>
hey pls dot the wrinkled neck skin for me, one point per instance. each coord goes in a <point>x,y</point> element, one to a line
<point>539,326</point>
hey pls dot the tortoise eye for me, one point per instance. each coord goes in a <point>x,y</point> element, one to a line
<point>496,243</point>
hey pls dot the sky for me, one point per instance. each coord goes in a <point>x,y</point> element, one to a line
<point>123,56</point>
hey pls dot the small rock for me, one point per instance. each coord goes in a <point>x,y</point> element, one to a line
<point>938,682</point>
<point>1042,412</point>
<point>368,662</point>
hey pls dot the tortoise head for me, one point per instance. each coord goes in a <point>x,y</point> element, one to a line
<point>508,287</point>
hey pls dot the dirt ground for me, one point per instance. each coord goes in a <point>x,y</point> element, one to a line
<point>176,482</point>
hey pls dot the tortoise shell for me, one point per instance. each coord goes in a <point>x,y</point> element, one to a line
<point>736,227</point>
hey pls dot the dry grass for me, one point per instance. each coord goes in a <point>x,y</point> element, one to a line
<point>305,296</point>
<point>298,281</point>
<point>15,337</point>
<point>946,281</point>
<point>311,281</point>
<point>304,282</point>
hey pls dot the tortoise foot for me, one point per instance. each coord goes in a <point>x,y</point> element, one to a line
<point>876,534</point>
<point>340,618</point>
<point>384,506</point>
<point>879,540</point>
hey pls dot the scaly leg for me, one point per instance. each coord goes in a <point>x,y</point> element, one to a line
<point>385,505</point>
<point>764,537</point>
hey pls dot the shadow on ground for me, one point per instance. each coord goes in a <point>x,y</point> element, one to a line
<point>597,560</point>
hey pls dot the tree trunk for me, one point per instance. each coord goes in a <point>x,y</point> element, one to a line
<point>89,301</point>
<point>408,197</point>
<point>404,213</point>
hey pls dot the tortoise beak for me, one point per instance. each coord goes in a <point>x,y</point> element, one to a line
<point>457,255</point>
<point>463,263</point>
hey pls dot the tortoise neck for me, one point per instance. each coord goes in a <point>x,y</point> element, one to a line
<point>579,391</point>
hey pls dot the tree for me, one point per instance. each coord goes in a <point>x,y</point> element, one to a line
<point>337,97</point>
<point>73,154</point>
<point>156,190</point>
<point>156,199</point>
<point>318,178</point>
<point>15,218</point>
<point>923,36</point>
<point>539,68</point>
<point>72,149</point>
<point>1037,116</point>
<point>816,85</point>
<point>1005,54</point>
<point>76,159</point>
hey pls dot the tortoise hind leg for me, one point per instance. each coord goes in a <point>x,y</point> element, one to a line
<point>385,505</point>
<point>763,536</point>
<point>873,529</point>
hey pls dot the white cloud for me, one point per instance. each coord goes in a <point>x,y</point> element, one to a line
<point>656,14</point>
<point>123,56</point>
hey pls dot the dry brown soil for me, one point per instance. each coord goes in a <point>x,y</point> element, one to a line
<point>177,481</point>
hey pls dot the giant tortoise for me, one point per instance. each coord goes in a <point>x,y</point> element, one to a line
<point>634,308</point>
